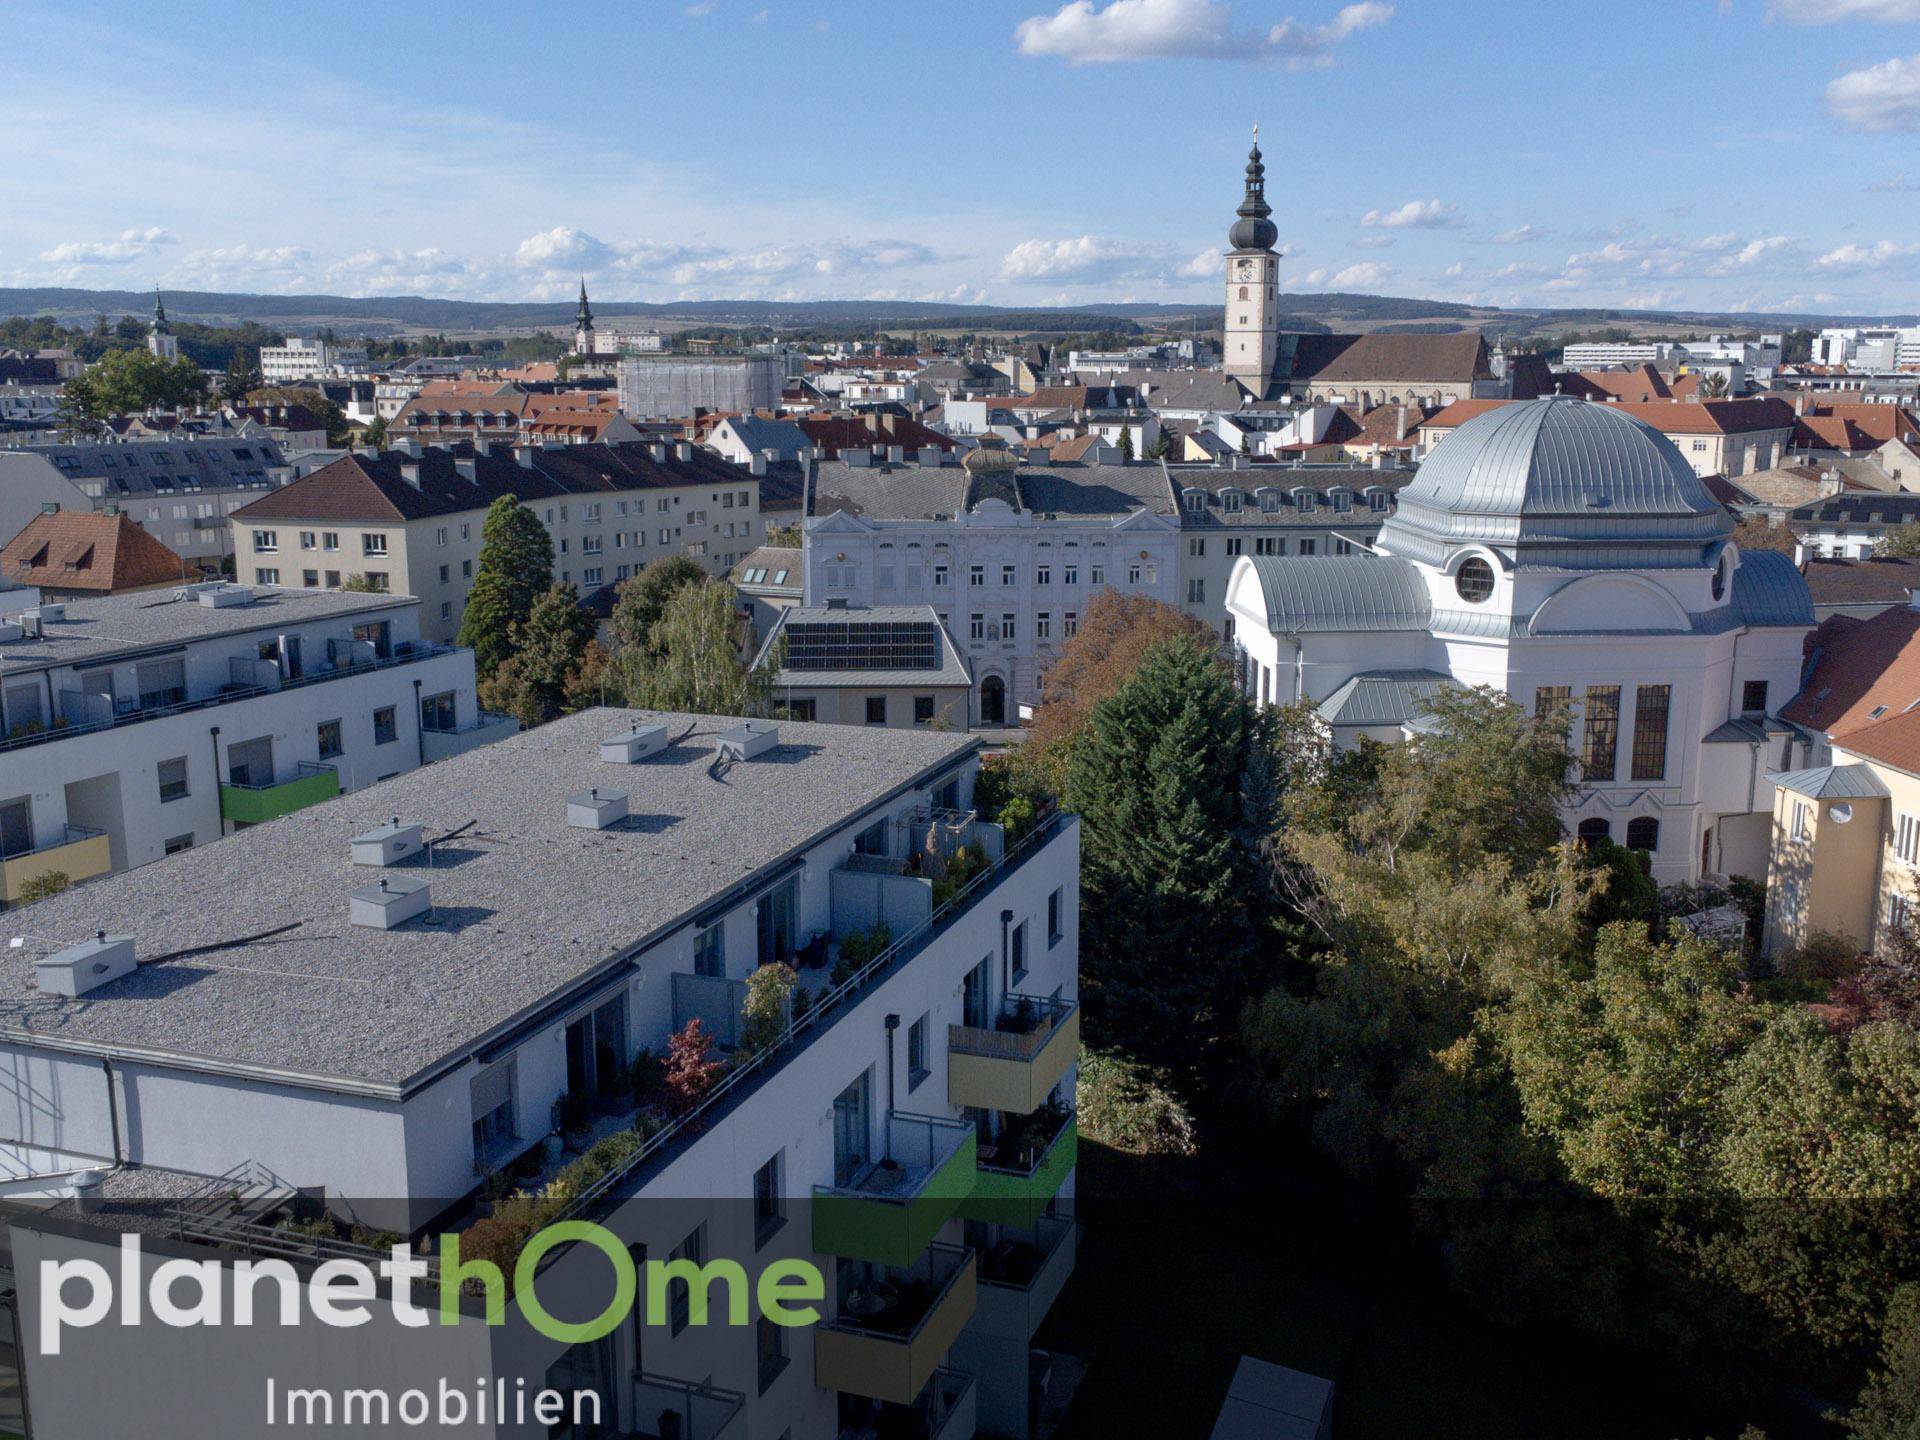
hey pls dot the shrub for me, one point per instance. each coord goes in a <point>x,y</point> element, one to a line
<point>965,863</point>
<point>1128,1106</point>
<point>859,949</point>
<point>1017,816</point>
<point>39,887</point>
<point>649,1078</point>
<point>574,1113</point>
<point>769,993</point>
<point>692,1067</point>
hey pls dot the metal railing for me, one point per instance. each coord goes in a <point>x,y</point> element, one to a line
<point>926,1142</point>
<point>62,729</point>
<point>1020,1031</point>
<point>704,1411</point>
<point>941,1266</point>
<point>488,719</point>
<point>1038,1155</point>
<point>747,1076</point>
<point>1019,1261</point>
<point>302,770</point>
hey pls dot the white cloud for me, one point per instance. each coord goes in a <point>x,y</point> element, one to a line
<point>1353,277</point>
<point>563,248</point>
<point>136,244</point>
<point>1876,256</point>
<point>1879,98</point>
<point>704,7</point>
<point>1831,12</point>
<point>1088,257</point>
<point>1371,242</point>
<point>1204,266</point>
<point>777,262</point>
<point>1083,33</point>
<point>1520,235</point>
<point>1414,215</point>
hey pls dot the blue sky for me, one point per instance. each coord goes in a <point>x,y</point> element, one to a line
<point>1747,154</point>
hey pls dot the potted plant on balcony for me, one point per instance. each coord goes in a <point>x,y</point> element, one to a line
<point>575,1119</point>
<point>769,999</point>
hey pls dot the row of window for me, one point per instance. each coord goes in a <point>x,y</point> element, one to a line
<point>1272,501</point>
<point>267,542</point>
<point>1643,832</point>
<point>981,626</point>
<point>1600,740</point>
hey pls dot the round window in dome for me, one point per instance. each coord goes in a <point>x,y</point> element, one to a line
<point>1473,580</point>
<point>1720,579</point>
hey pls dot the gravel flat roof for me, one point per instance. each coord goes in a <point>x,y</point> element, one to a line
<point>99,629</point>
<point>524,905</point>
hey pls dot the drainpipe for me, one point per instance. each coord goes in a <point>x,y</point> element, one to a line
<point>893,1024</point>
<point>113,1111</point>
<point>1006,955</point>
<point>219,819</point>
<point>419,724</point>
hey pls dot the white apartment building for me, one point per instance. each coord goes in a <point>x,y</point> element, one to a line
<point>1878,349</point>
<point>673,387</point>
<point>179,491</point>
<point>1007,554</point>
<point>478,940</point>
<point>1615,354</point>
<point>410,518</point>
<point>140,724</point>
<point>307,360</point>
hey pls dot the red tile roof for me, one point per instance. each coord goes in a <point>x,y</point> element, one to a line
<point>96,552</point>
<point>1641,383</point>
<point>1860,669</point>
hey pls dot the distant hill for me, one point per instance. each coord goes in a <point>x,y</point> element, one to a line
<point>384,314</point>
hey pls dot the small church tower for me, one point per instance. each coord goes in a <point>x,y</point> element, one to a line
<point>160,338</point>
<point>1252,330</point>
<point>583,324</point>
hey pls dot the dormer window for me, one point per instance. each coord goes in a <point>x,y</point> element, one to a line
<point>1304,500</point>
<point>1230,500</point>
<point>1377,500</point>
<point>1196,501</point>
<point>1342,500</point>
<point>1269,500</point>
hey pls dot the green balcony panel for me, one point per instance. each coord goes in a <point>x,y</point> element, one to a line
<point>1015,1197</point>
<point>865,1222</point>
<point>255,804</point>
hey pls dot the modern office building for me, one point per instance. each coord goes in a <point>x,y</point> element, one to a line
<point>140,724</point>
<point>674,387</point>
<point>465,963</point>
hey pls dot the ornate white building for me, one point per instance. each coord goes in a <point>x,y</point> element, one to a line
<point>1560,551</point>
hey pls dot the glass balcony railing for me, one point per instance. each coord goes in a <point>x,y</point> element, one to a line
<point>891,1336</point>
<point>945,1410</point>
<point>666,1409</point>
<point>1025,1168</point>
<point>1021,1273</point>
<point>892,1207</point>
<point>73,851</point>
<point>1013,1062</point>
<point>252,804</point>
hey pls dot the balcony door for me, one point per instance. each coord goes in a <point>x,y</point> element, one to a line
<point>851,1127</point>
<point>774,914</point>
<point>16,827</point>
<point>251,762</point>
<point>597,1049</point>
<point>973,995</point>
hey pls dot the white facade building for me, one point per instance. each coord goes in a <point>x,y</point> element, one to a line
<point>1562,552</point>
<point>307,360</point>
<point>1008,555</point>
<point>908,1134</point>
<point>1612,354</point>
<point>140,724</point>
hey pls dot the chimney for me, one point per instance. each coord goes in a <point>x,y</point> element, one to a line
<point>757,462</point>
<point>930,454</point>
<point>1799,402</point>
<point>523,456</point>
<point>896,454</point>
<point>468,468</point>
<point>1800,555</point>
<point>1913,599</point>
<point>411,474</point>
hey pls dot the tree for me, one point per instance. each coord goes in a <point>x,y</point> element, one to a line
<point>1889,1408</point>
<point>1174,785</point>
<point>39,887</point>
<point>785,537</point>
<point>238,381</point>
<point>516,565</point>
<point>360,583</point>
<point>1115,633</point>
<point>641,601</point>
<point>375,435</point>
<point>691,1067</point>
<point>1714,387</point>
<point>129,382</point>
<point>339,429</point>
<point>1900,543</point>
<point>1753,532</point>
<point>532,684</point>
<point>1126,442</point>
<point>692,662</point>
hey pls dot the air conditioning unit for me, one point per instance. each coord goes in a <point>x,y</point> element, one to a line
<point>388,845</point>
<point>634,745</point>
<point>80,968</point>
<point>224,597</point>
<point>391,903</point>
<point>597,809</point>
<point>46,614</point>
<point>748,739</point>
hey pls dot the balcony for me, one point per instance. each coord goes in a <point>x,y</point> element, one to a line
<point>891,1338</point>
<point>894,1206</point>
<point>1024,1168</point>
<point>665,1409</point>
<point>75,852</point>
<point>254,804</point>
<point>1013,1063</point>
<point>444,744</point>
<point>1022,1275</point>
<point>945,1411</point>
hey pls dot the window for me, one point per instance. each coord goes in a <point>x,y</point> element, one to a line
<point>876,709</point>
<point>1592,832</point>
<point>1801,830</point>
<point>1007,574</point>
<point>1196,591</point>
<point>710,952</point>
<point>173,779</point>
<point>1473,581</point>
<point>492,1109</point>
<point>446,609</point>
<point>1070,574</point>
<point>266,575</point>
<point>437,712</point>
<point>917,1067</point>
<point>1270,545</point>
<point>266,542</point>
<point>1197,547</point>
<point>769,1206</point>
<point>1070,624</point>
<point>977,626</point>
<point>1906,839</point>
<point>1643,833</point>
<point>329,540</point>
<point>923,709</point>
<point>1099,575</point>
<point>385,728</point>
<point>161,683</point>
<point>1753,698</point>
<point>466,569</point>
<point>307,540</point>
<point>976,575</point>
<point>1133,574</point>
<point>1056,916</point>
<point>1009,623</point>
<point>1548,698</point>
<point>371,544</point>
<point>1018,956</point>
<point>177,843</point>
<point>940,575</point>
<point>376,581</point>
<point>467,530</point>
<point>1043,625</point>
<point>1650,733</point>
<point>1043,575</point>
<point>1597,760</point>
<point>440,535</point>
<point>327,733</point>
<point>333,579</point>
<point>592,575</point>
<point>771,1339</point>
<point>310,579</point>
<point>680,1293</point>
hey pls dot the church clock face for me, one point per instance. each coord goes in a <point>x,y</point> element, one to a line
<point>1247,270</point>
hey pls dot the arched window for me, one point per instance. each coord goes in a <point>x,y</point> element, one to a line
<point>1243,292</point>
<point>1592,832</point>
<point>1643,833</point>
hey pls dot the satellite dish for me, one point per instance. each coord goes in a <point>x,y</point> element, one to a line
<point>1840,814</point>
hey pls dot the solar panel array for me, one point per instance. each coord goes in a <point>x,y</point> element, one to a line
<point>863,645</point>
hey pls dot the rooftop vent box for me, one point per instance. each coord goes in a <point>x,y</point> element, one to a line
<point>226,596</point>
<point>393,902</point>
<point>389,845</point>
<point>10,630</point>
<point>748,739</point>
<point>597,809</point>
<point>635,744</point>
<point>83,967</point>
<point>45,614</point>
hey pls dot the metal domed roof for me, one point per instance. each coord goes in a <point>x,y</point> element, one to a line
<point>1578,477</point>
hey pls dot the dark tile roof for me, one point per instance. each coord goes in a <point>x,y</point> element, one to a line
<point>1861,582</point>
<point>1861,509</point>
<point>1409,357</point>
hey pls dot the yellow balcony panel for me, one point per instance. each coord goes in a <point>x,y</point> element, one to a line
<point>889,1340</point>
<point>75,852</point>
<point>1013,1063</point>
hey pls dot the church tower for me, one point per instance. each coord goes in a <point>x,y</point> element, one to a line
<point>160,339</point>
<point>583,324</point>
<point>1253,284</point>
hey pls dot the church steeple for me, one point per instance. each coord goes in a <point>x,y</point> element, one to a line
<point>161,326</point>
<point>583,323</point>
<point>1254,230</point>
<point>160,341</point>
